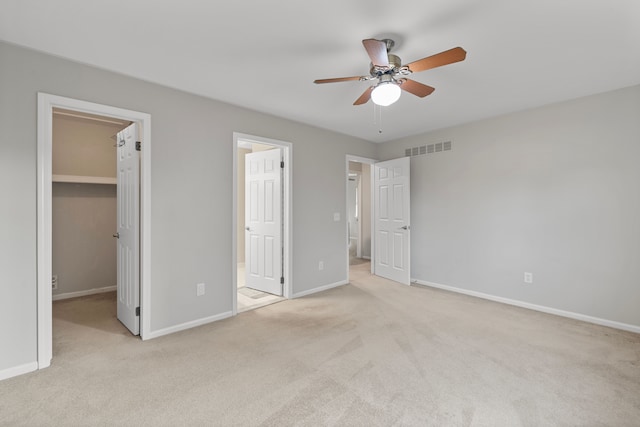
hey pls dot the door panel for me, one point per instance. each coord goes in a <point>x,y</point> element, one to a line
<point>128,198</point>
<point>263,221</point>
<point>392,219</point>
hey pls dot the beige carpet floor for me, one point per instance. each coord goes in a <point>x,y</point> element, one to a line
<point>371,353</point>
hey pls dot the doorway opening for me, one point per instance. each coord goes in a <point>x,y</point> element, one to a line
<point>69,183</point>
<point>386,231</point>
<point>262,217</point>
<point>84,218</point>
<point>359,214</point>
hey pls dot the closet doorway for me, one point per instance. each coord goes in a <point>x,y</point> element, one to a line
<point>95,213</point>
<point>93,219</point>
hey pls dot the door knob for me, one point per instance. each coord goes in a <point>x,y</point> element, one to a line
<point>406,227</point>
<point>248,228</point>
<point>117,235</point>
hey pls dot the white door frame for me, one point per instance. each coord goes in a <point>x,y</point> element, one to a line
<point>371,162</point>
<point>46,104</point>
<point>287,237</point>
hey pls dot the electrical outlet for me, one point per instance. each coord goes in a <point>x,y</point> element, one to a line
<point>528,277</point>
<point>200,289</point>
<point>320,265</point>
<point>54,282</point>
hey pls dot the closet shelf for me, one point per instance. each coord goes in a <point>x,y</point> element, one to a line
<point>84,179</point>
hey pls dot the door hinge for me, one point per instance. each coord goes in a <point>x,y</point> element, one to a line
<point>137,311</point>
<point>282,280</point>
<point>138,145</point>
<point>282,165</point>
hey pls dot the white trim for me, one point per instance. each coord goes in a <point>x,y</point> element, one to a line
<point>541,308</point>
<point>188,325</point>
<point>77,179</point>
<point>238,140</point>
<point>18,370</point>
<point>366,257</point>
<point>320,289</point>
<point>76,294</point>
<point>358,159</point>
<point>46,104</point>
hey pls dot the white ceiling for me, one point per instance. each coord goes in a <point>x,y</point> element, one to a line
<point>264,55</point>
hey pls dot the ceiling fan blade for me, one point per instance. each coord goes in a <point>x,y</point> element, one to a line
<point>450,56</point>
<point>338,79</point>
<point>416,88</point>
<point>377,51</point>
<point>364,98</point>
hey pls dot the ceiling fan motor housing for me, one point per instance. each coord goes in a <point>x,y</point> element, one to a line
<point>394,65</point>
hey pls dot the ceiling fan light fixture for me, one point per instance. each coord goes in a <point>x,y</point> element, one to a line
<point>385,93</point>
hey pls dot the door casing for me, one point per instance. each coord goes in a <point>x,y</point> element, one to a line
<point>287,235</point>
<point>46,104</point>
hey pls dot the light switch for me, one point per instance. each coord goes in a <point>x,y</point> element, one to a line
<point>336,216</point>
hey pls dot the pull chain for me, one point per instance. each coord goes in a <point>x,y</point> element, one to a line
<point>377,118</point>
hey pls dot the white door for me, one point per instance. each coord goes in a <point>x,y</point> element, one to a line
<point>128,194</point>
<point>263,221</point>
<point>391,222</point>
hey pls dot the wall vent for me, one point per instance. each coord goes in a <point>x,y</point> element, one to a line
<point>428,149</point>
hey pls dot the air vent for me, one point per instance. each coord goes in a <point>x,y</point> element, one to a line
<point>428,149</point>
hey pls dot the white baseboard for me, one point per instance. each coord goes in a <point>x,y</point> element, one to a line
<point>541,308</point>
<point>187,325</point>
<point>320,289</point>
<point>366,257</point>
<point>68,295</point>
<point>18,370</point>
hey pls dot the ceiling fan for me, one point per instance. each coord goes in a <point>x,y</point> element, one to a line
<point>389,73</point>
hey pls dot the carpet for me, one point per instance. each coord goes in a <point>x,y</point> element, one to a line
<point>370,353</point>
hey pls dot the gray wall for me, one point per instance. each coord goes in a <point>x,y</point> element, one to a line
<point>191,198</point>
<point>553,191</point>
<point>84,251</point>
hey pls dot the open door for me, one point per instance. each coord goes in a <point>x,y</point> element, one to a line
<point>128,195</point>
<point>263,221</point>
<point>392,219</point>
